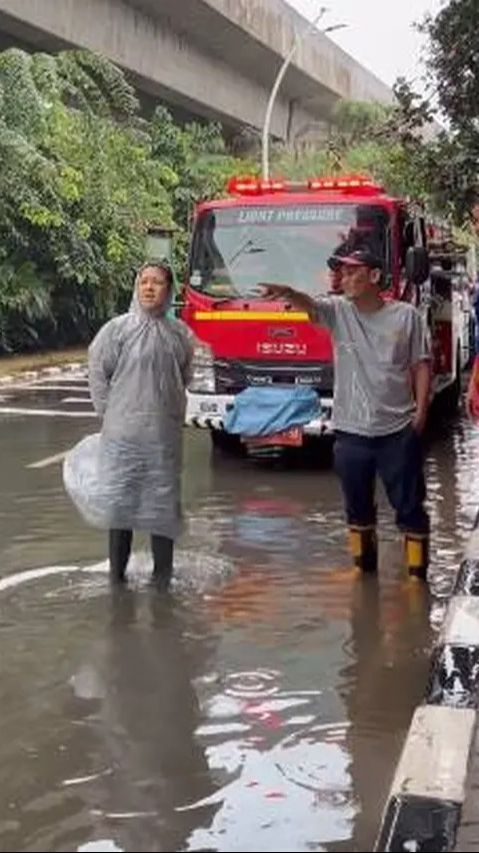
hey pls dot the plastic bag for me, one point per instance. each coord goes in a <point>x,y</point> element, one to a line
<point>115,485</point>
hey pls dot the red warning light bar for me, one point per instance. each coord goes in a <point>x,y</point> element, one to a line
<point>252,186</point>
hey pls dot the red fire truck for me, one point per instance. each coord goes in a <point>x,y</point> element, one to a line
<point>284,232</point>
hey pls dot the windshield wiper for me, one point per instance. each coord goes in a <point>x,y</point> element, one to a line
<point>248,248</point>
<point>250,294</point>
<point>224,299</point>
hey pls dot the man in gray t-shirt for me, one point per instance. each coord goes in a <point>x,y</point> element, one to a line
<point>381,399</point>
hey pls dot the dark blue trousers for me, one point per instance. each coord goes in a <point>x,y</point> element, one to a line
<point>398,460</point>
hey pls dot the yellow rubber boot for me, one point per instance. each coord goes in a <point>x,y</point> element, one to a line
<point>363,545</point>
<point>417,554</point>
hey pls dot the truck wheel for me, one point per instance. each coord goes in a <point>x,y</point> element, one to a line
<point>225,442</point>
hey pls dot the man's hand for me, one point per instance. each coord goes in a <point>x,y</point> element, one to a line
<point>472,396</point>
<point>276,291</point>
<point>299,301</point>
<point>421,374</point>
<point>419,422</point>
<point>472,399</point>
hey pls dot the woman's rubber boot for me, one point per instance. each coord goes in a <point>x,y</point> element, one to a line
<point>120,550</point>
<point>417,555</point>
<point>363,544</point>
<point>162,549</point>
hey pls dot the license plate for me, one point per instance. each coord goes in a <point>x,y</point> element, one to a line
<point>289,438</point>
<point>208,408</point>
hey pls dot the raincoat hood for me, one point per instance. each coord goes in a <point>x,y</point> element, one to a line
<point>135,304</point>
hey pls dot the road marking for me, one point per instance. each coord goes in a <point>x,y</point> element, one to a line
<point>8,389</point>
<point>59,380</point>
<point>49,460</point>
<point>48,413</point>
<point>82,400</point>
<point>80,780</point>
<point>12,581</point>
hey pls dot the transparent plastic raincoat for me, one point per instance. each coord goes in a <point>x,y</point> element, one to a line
<point>129,475</point>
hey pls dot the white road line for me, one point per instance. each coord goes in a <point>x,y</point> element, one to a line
<point>49,460</point>
<point>48,413</point>
<point>74,379</point>
<point>58,380</point>
<point>82,400</point>
<point>7,389</point>
<point>12,581</point>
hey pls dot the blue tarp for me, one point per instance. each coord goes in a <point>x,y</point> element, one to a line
<point>266,411</point>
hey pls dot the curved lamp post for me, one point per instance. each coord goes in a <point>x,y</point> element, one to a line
<point>300,37</point>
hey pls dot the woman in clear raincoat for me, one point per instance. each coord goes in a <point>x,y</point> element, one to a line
<point>129,477</point>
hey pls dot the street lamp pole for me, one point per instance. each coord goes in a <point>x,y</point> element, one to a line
<point>300,37</point>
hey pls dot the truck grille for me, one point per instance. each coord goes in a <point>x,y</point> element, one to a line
<point>234,376</point>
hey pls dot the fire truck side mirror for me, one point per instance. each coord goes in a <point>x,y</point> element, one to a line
<point>417,264</point>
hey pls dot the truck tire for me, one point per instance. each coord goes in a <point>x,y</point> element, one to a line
<point>226,442</point>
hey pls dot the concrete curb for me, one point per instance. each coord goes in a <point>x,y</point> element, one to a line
<point>424,807</point>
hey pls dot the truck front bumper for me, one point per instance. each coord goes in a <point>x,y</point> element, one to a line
<point>208,411</point>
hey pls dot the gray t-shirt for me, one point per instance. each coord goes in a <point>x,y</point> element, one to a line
<point>373,356</point>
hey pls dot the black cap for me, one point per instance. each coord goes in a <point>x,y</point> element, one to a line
<point>357,258</point>
<point>334,262</point>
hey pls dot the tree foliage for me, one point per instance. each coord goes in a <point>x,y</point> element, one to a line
<point>401,148</point>
<point>452,75</point>
<point>83,176</point>
<point>198,156</point>
<point>84,173</point>
<point>379,140</point>
<point>453,61</point>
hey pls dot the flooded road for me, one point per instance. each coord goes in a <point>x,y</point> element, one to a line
<point>262,706</point>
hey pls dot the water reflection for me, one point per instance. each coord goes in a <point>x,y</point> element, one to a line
<point>384,680</point>
<point>262,707</point>
<point>147,723</point>
<point>287,781</point>
<point>115,749</point>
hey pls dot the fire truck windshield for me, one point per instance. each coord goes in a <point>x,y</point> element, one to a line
<point>236,248</point>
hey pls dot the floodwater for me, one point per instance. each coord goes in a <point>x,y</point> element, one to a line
<point>261,706</point>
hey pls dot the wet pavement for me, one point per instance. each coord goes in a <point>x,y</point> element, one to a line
<point>262,706</point>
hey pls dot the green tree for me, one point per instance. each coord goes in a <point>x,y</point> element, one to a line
<point>78,187</point>
<point>453,81</point>
<point>453,61</point>
<point>398,146</point>
<point>83,177</point>
<point>381,141</point>
<point>200,162</point>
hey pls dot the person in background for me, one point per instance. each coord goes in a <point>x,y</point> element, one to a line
<point>381,400</point>
<point>138,370</point>
<point>472,396</point>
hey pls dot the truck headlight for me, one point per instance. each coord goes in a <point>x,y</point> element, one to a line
<point>202,371</point>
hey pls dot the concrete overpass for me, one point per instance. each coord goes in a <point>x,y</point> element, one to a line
<point>210,58</point>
